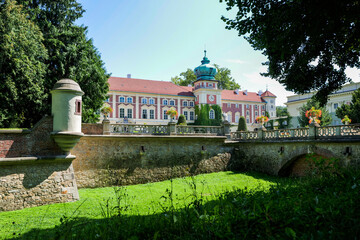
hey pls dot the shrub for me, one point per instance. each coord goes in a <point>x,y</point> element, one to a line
<point>181,120</point>
<point>242,124</point>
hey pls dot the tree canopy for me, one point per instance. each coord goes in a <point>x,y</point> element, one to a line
<point>71,54</point>
<point>352,110</point>
<point>22,67</point>
<point>223,75</point>
<point>47,46</point>
<point>308,43</point>
<point>325,118</point>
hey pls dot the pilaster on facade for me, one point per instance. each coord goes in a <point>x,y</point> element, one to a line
<point>158,108</point>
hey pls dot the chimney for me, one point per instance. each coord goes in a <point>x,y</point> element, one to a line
<point>260,92</point>
<point>237,91</point>
<point>129,76</point>
<point>245,92</point>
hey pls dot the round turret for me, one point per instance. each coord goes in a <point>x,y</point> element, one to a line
<point>66,112</point>
<point>205,71</point>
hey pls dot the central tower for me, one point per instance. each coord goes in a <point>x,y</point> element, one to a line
<point>206,87</point>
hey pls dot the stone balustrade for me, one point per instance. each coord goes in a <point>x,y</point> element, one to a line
<point>171,129</point>
<point>310,133</point>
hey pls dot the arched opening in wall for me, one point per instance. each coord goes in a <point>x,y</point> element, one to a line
<point>307,164</point>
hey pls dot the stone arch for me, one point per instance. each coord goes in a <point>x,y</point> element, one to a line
<point>298,165</point>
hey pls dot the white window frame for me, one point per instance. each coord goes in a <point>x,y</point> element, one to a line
<point>172,101</point>
<point>152,114</point>
<point>143,100</point>
<point>211,114</point>
<point>129,100</point>
<point>165,116</point>
<point>186,115</point>
<point>121,98</point>
<point>185,103</point>
<point>151,101</point>
<point>191,103</point>
<point>123,112</point>
<point>165,102</point>
<point>129,113</point>
<point>192,114</point>
<point>144,113</point>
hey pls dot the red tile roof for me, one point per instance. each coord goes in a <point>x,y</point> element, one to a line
<point>267,93</point>
<point>148,86</point>
<point>231,95</point>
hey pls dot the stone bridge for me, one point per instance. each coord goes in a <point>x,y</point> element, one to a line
<point>286,152</point>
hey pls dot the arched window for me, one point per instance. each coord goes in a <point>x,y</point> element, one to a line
<point>121,99</point>
<point>165,102</point>
<point>144,100</point>
<point>151,101</point>
<point>129,100</point>
<point>212,114</point>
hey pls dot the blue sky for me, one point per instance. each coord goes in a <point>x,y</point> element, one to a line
<point>159,39</point>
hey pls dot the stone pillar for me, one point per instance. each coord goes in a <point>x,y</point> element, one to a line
<point>312,131</point>
<point>172,126</point>
<point>261,134</point>
<point>226,128</point>
<point>106,126</point>
<point>66,111</point>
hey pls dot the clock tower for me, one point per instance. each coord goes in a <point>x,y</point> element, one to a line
<point>206,87</point>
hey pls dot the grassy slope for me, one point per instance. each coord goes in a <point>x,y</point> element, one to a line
<point>143,199</point>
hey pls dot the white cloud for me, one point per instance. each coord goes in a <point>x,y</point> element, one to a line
<point>254,82</point>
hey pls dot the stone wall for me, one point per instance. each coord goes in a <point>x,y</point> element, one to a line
<point>122,160</point>
<point>33,169</point>
<point>280,158</point>
<point>92,128</point>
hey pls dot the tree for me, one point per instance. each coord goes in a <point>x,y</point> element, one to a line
<point>223,75</point>
<point>283,122</point>
<point>22,70</point>
<point>203,117</point>
<point>351,110</point>
<point>308,43</point>
<point>325,116</point>
<point>242,124</point>
<point>71,54</point>
<point>181,120</point>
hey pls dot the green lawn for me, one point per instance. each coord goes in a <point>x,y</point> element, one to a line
<point>144,199</point>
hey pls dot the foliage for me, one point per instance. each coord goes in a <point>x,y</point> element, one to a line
<point>106,110</point>
<point>283,122</point>
<point>313,115</point>
<point>262,119</point>
<point>22,70</point>
<point>292,209</point>
<point>325,118</point>
<point>172,112</point>
<point>202,114</point>
<point>71,54</point>
<point>346,119</point>
<point>306,51</point>
<point>242,124</point>
<point>181,120</point>
<point>351,110</point>
<point>223,75</point>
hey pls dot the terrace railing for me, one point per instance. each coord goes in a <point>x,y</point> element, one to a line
<point>311,133</point>
<point>134,129</point>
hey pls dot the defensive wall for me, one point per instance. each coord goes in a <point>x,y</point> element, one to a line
<point>47,163</point>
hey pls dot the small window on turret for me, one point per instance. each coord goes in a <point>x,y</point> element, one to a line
<point>78,107</point>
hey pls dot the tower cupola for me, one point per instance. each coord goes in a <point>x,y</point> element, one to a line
<point>205,71</point>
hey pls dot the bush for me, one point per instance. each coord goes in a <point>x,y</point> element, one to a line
<point>181,120</point>
<point>242,124</point>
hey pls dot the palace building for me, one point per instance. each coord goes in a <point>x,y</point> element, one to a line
<point>146,101</point>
